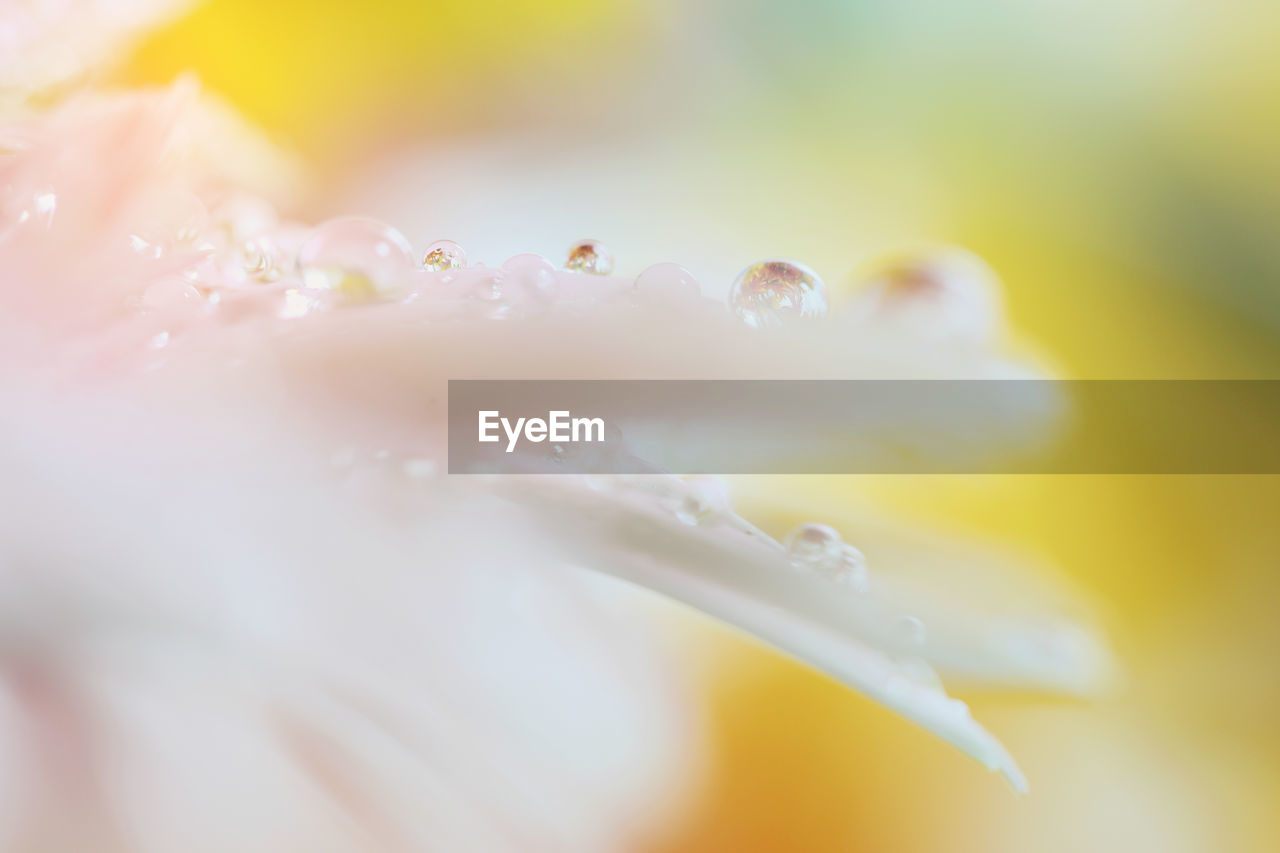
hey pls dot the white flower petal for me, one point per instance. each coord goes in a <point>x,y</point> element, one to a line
<point>735,573</point>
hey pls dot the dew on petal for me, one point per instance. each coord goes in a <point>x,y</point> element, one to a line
<point>819,549</point>
<point>523,279</point>
<point>706,497</point>
<point>772,292</point>
<point>811,543</point>
<point>255,260</point>
<point>355,256</point>
<point>938,289</point>
<point>444,255</point>
<point>667,282</point>
<point>589,256</point>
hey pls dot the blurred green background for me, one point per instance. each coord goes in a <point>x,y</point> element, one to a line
<point>1116,162</point>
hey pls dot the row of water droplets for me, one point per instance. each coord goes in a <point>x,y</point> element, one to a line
<point>362,258</point>
<point>242,242</point>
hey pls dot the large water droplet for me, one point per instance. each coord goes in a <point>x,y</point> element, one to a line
<point>819,549</point>
<point>589,256</point>
<point>356,256</point>
<point>706,498</point>
<point>444,255</point>
<point>935,290</point>
<point>811,543</point>
<point>668,282</point>
<point>775,291</point>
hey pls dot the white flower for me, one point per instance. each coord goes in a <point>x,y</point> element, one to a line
<point>240,606</point>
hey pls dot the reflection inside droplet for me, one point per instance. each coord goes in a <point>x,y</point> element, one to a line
<point>589,256</point>
<point>773,292</point>
<point>444,255</point>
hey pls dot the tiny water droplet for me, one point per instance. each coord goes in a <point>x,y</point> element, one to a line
<point>356,256</point>
<point>444,255</point>
<point>667,282</point>
<point>589,256</point>
<point>690,510</point>
<point>706,498</point>
<point>256,259</point>
<point>775,291</point>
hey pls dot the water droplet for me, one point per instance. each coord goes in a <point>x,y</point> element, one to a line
<point>255,259</point>
<point>523,280</point>
<point>444,255</point>
<point>356,256</point>
<point>776,291</point>
<point>810,543</point>
<point>531,269</point>
<point>938,289</point>
<point>589,256</point>
<point>667,282</point>
<point>818,548</point>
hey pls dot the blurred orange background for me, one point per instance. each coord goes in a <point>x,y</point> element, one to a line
<point>1116,164</point>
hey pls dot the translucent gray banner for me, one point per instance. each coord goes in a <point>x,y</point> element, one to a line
<point>865,427</point>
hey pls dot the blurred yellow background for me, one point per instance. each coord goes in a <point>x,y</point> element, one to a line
<point>1115,162</point>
